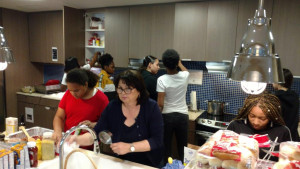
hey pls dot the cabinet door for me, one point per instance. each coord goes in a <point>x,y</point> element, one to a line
<point>44,116</point>
<point>246,11</point>
<point>45,32</point>
<point>117,34</point>
<point>221,30</point>
<point>190,30</point>
<point>21,112</point>
<point>286,26</point>
<point>162,29</point>
<point>140,31</point>
<point>74,33</point>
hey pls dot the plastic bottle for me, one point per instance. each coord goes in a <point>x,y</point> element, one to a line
<point>33,153</point>
<point>48,146</point>
<point>39,147</point>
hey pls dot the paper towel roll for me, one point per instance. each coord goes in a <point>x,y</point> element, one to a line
<point>193,100</point>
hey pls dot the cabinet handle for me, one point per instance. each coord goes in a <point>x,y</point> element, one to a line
<point>47,108</point>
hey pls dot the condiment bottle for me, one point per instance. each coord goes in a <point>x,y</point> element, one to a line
<point>47,146</point>
<point>39,147</point>
<point>33,153</point>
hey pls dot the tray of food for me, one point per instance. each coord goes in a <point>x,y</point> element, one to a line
<point>35,132</point>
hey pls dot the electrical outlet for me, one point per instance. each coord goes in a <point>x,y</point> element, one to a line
<point>29,116</point>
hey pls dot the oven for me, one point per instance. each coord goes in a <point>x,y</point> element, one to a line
<point>207,125</point>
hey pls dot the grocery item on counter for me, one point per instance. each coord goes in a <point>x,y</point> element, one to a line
<point>173,164</point>
<point>289,156</point>
<point>228,150</point>
<point>39,147</point>
<point>48,147</point>
<point>11,125</point>
<point>33,153</point>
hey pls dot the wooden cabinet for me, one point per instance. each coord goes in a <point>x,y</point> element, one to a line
<point>63,30</point>
<point>192,132</point>
<point>43,110</point>
<point>221,30</point>
<point>285,28</point>
<point>117,34</point>
<point>190,30</point>
<point>151,30</point>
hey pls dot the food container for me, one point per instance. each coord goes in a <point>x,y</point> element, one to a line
<point>35,132</point>
<point>215,107</point>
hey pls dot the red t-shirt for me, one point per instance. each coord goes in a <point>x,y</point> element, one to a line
<point>78,110</point>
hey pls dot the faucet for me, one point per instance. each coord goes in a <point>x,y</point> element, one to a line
<point>61,144</point>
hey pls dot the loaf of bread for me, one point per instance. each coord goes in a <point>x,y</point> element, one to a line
<point>289,151</point>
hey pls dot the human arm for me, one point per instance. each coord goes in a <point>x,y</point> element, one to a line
<point>58,124</point>
<point>122,148</point>
<point>180,65</point>
<point>161,100</point>
<point>88,123</point>
<point>83,140</point>
<point>94,59</point>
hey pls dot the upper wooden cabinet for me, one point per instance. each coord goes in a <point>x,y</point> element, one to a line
<point>190,30</point>
<point>285,28</point>
<point>63,30</point>
<point>117,34</point>
<point>151,30</point>
<point>221,30</point>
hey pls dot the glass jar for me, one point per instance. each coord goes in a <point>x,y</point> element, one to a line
<point>33,153</point>
<point>48,146</point>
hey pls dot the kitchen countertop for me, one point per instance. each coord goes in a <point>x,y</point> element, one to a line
<point>193,115</point>
<point>54,96</point>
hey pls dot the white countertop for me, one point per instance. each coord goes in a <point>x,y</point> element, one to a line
<point>54,96</point>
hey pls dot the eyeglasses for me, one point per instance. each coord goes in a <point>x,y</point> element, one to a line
<point>127,90</point>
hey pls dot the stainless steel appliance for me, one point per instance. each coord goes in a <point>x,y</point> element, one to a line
<point>207,125</point>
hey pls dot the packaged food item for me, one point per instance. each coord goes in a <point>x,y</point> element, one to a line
<point>289,156</point>
<point>39,147</point>
<point>48,148</point>
<point>11,125</point>
<point>33,153</point>
<point>229,150</point>
<point>19,155</point>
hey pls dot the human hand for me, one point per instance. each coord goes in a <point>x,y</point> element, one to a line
<point>56,136</point>
<point>71,139</point>
<point>87,123</point>
<point>120,148</point>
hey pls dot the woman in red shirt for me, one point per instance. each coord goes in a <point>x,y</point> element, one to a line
<point>82,103</point>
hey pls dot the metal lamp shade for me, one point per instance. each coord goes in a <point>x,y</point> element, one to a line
<point>249,68</point>
<point>257,61</point>
<point>6,55</point>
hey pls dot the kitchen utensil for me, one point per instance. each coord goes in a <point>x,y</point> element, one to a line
<point>28,136</point>
<point>215,107</point>
<point>105,137</point>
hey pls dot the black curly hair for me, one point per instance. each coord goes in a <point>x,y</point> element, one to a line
<point>105,60</point>
<point>170,59</point>
<point>81,76</point>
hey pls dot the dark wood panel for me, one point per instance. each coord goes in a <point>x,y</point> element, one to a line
<point>221,30</point>
<point>74,33</point>
<point>285,27</point>
<point>190,30</point>
<point>22,72</point>
<point>140,31</point>
<point>117,34</point>
<point>162,29</point>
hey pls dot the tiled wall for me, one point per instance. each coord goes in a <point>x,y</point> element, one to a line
<point>217,87</point>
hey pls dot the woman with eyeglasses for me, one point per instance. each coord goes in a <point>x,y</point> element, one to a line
<point>148,70</point>
<point>134,122</point>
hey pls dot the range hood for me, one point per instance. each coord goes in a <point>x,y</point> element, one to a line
<point>210,67</point>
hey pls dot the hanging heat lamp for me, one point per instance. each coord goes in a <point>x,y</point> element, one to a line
<point>256,64</point>
<point>6,55</point>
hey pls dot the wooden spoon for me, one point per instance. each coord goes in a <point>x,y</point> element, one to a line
<point>28,136</point>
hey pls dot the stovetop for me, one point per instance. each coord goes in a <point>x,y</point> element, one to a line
<point>220,122</point>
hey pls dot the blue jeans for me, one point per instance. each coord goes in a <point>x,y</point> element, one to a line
<point>175,123</point>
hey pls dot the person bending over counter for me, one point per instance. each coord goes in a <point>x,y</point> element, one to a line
<point>260,114</point>
<point>148,70</point>
<point>82,103</point>
<point>289,101</point>
<point>133,120</point>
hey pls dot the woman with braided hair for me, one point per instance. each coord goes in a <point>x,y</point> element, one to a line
<point>260,114</point>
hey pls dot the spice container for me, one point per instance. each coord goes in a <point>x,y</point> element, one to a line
<point>47,146</point>
<point>33,153</point>
<point>39,147</point>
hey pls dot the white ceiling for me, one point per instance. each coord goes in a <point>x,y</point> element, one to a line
<point>50,5</point>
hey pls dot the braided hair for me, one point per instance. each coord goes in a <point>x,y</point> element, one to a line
<point>268,103</point>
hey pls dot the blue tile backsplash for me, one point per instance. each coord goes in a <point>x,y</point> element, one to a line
<point>215,86</point>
